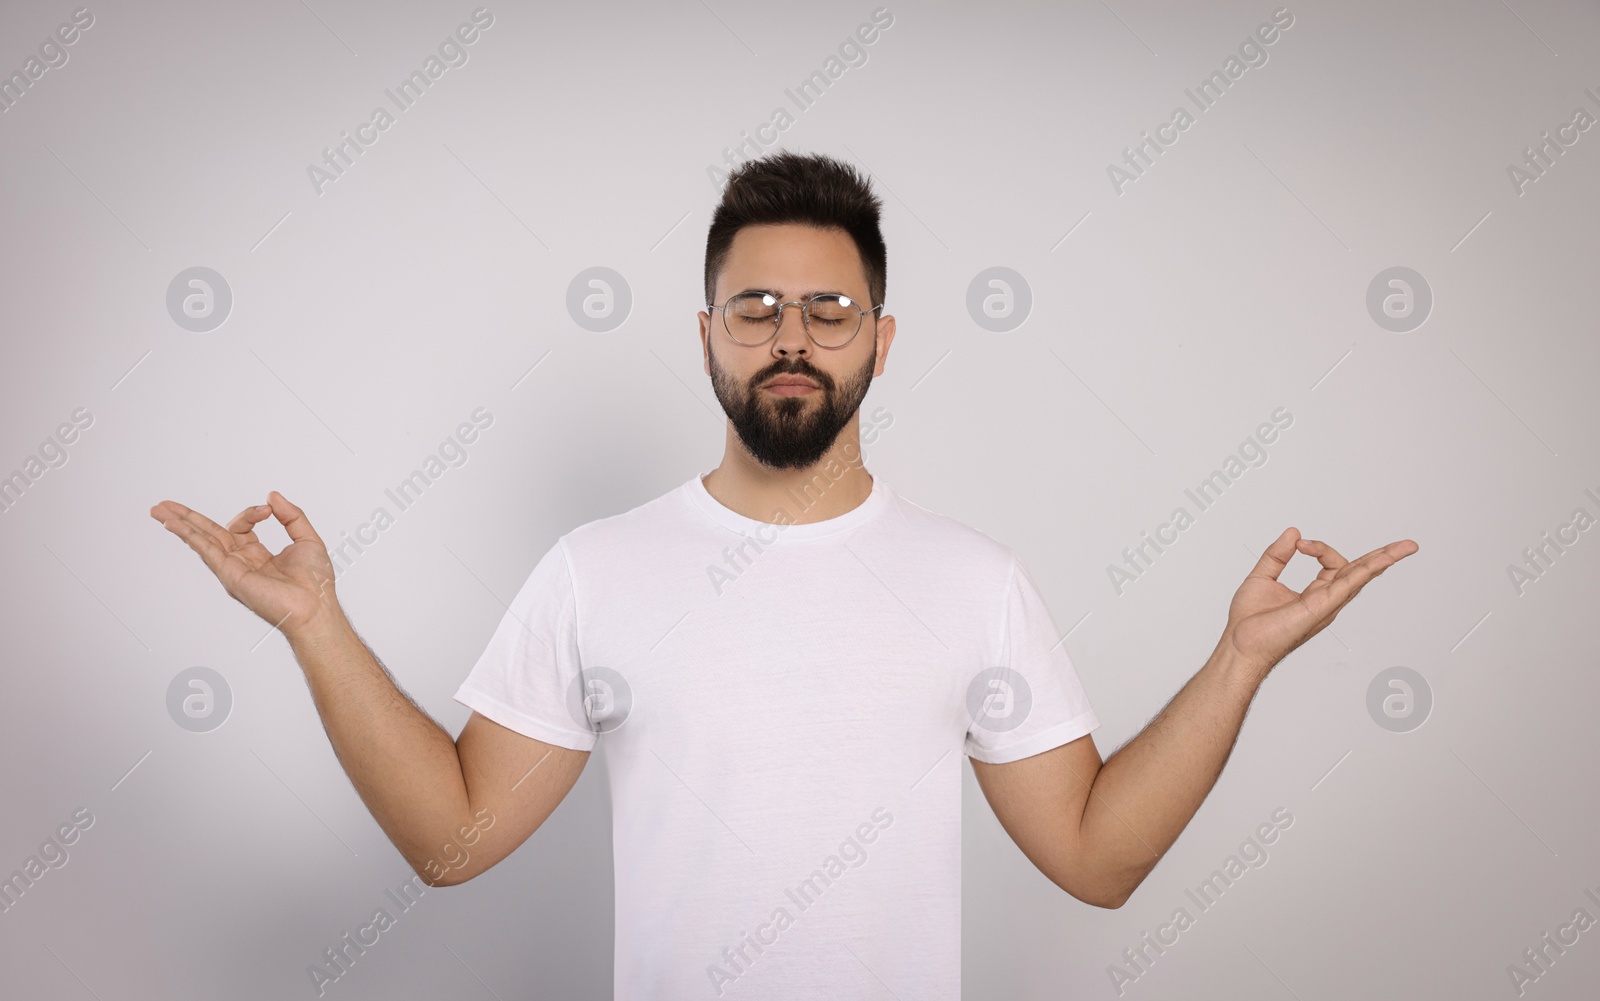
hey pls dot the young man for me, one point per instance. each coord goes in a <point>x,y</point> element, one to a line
<point>788,662</point>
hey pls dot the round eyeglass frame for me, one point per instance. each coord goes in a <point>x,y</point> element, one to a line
<point>805,318</point>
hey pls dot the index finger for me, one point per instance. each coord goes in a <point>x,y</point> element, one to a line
<point>1349,579</point>
<point>1331,559</point>
<point>244,522</point>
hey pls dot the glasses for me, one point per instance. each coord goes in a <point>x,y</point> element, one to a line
<point>831,320</point>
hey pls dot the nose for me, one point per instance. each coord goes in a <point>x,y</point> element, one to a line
<point>792,337</point>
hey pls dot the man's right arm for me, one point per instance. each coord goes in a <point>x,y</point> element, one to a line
<point>453,808</point>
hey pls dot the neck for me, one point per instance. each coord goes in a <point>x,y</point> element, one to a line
<point>835,484</point>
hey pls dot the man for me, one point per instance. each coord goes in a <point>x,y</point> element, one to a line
<point>787,660</point>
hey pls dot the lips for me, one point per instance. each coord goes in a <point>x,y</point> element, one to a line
<point>791,380</point>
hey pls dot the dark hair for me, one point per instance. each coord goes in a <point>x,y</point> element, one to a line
<point>808,188</point>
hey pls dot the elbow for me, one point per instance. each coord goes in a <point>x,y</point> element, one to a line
<point>1112,902</point>
<point>434,876</point>
<point>1115,896</point>
<point>1108,897</point>
<point>1113,889</point>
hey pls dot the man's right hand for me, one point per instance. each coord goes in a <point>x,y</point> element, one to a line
<point>289,589</point>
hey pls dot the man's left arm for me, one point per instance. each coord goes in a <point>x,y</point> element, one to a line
<point>1095,828</point>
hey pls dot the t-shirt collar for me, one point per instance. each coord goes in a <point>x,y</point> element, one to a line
<point>793,506</point>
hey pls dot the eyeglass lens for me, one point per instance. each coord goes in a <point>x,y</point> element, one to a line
<point>831,319</point>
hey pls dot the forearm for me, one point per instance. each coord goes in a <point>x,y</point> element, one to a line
<point>1146,793</point>
<point>403,764</point>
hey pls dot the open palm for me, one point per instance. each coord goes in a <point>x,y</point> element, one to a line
<point>294,583</point>
<point>1267,619</point>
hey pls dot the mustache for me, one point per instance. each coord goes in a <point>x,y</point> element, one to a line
<point>801,369</point>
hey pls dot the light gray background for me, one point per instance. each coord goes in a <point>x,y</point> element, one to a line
<point>370,320</point>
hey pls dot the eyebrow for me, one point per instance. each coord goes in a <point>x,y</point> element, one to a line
<point>800,295</point>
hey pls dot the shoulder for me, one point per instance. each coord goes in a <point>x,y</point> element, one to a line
<point>635,526</point>
<point>972,549</point>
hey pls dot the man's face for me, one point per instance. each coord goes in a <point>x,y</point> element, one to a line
<point>792,427</point>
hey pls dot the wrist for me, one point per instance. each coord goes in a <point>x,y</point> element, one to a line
<point>324,626</point>
<point>1233,667</point>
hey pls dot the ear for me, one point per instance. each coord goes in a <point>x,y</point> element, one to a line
<point>705,345</point>
<point>885,338</point>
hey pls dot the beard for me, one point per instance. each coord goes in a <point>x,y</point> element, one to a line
<point>791,432</point>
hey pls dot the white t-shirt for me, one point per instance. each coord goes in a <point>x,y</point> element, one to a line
<point>785,708</point>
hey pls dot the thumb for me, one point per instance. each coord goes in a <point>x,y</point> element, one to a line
<point>293,520</point>
<point>1277,556</point>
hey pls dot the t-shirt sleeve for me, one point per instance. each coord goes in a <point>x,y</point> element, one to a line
<point>1030,700</point>
<point>526,679</point>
